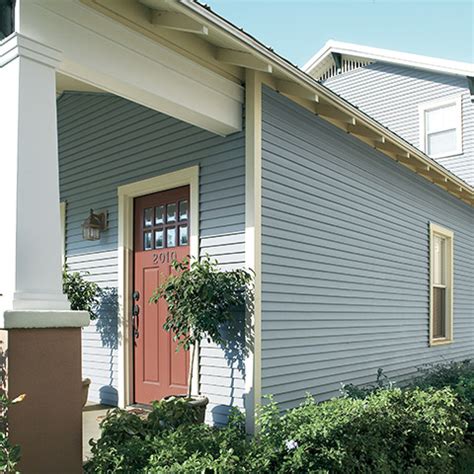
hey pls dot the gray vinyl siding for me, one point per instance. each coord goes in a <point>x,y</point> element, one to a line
<point>391,94</point>
<point>106,141</point>
<point>345,275</point>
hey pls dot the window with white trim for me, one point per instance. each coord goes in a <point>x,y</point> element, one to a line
<point>441,127</point>
<point>441,284</point>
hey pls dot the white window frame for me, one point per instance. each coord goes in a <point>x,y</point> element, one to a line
<point>435,104</point>
<point>448,235</point>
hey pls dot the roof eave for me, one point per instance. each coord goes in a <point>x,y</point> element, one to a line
<point>447,180</point>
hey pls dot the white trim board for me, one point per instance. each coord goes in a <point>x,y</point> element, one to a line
<point>358,51</point>
<point>103,53</point>
<point>126,194</point>
<point>253,238</point>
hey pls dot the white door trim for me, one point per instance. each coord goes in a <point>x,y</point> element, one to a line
<point>126,194</point>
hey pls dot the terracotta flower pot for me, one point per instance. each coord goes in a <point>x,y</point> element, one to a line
<point>85,390</point>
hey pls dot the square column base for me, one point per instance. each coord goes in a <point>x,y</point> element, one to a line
<point>45,365</point>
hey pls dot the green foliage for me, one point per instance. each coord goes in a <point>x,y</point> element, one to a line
<point>9,454</point>
<point>167,440</point>
<point>82,294</point>
<point>459,376</point>
<point>354,391</point>
<point>390,431</point>
<point>201,299</point>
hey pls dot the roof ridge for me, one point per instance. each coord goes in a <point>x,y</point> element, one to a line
<point>447,66</point>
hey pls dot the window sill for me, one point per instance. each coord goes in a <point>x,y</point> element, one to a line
<point>440,342</point>
<point>447,155</point>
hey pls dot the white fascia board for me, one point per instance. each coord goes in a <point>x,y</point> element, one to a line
<point>100,51</point>
<point>389,56</point>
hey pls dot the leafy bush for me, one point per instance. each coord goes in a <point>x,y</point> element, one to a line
<point>388,431</point>
<point>412,431</point>
<point>167,440</point>
<point>82,294</point>
<point>9,454</point>
<point>355,391</point>
<point>459,376</point>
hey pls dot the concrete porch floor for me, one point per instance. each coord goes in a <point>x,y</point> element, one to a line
<point>92,414</point>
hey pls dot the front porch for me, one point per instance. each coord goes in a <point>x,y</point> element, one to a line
<point>94,127</point>
<point>112,151</point>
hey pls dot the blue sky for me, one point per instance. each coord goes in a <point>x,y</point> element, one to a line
<point>297,29</point>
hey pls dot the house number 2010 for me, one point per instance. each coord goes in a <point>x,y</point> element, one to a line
<point>164,257</point>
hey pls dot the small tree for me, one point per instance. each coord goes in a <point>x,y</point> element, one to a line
<point>82,294</point>
<point>201,299</point>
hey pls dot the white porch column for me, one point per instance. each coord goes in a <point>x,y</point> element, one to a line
<point>30,246</point>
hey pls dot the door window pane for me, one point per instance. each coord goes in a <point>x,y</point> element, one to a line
<point>159,215</point>
<point>439,260</point>
<point>148,217</point>
<point>159,240</point>
<point>171,213</point>
<point>171,237</point>
<point>183,210</point>
<point>147,242</point>
<point>439,313</point>
<point>183,235</point>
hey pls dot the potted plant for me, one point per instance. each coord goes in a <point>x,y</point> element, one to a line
<point>83,295</point>
<point>201,300</point>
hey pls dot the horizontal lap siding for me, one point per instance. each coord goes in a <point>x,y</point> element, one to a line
<point>391,94</point>
<point>105,142</point>
<point>345,260</point>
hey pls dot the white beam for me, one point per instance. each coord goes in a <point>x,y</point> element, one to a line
<point>178,21</point>
<point>296,90</point>
<point>240,58</point>
<point>362,131</point>
<point>104,53</point>
<point>333,113</point>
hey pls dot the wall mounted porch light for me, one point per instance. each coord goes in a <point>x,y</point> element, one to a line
<point>94,225</point>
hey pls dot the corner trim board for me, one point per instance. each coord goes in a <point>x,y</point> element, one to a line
<point>253,217</point>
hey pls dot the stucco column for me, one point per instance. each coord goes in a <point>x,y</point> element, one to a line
<point>30,246</point>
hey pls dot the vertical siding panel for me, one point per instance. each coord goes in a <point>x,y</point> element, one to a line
<point>391,94</point>
<point>345,260</point>
<point>105,142</point>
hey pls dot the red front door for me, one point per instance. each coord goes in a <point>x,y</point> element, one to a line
<point>161,235</point>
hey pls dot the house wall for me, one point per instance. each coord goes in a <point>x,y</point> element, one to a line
<point>391,94</point>
<point>345,249</point>
<point>106,141</point>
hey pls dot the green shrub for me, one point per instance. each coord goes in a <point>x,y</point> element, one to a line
<point>388,431</point>
<point>362,391</point>
<point>9,454</point>
<point>459,376</point>
<point>167,440</point>
<point>83,295</point>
